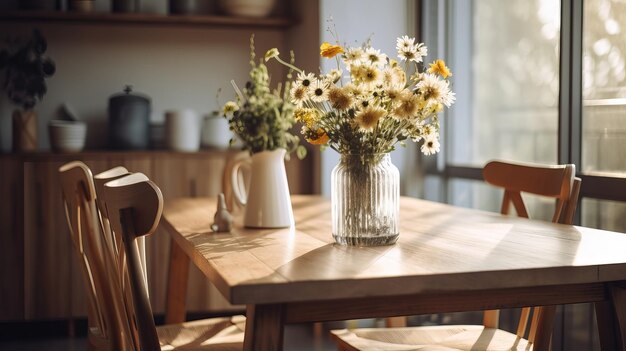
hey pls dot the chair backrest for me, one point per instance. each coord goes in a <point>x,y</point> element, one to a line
<point>558,182</point>
<point>134,205</point>
<point>106,330</point>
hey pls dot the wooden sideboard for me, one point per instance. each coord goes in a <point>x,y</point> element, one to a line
<point>39,274</point>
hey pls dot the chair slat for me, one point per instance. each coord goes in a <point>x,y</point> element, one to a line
<point>491,318</point>
<point>523,322</point>
<point>518,203</point>
<point>572,203</point>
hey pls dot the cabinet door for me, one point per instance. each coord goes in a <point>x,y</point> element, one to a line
<point>11,240</point>
<point>48,250</point>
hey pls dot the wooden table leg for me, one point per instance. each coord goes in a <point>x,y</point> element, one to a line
<point>544,317</point>
<point>611,317</point>
<point>264,328</point>
<point>178,275</point>
<point>618,297</point>
<point>607,325</point>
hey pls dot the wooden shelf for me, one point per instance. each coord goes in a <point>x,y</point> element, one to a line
<point>147,19</point>
<point>45,155</point>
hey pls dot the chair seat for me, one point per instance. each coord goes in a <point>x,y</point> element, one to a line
<point>430,338</point>
<point>207,334</point>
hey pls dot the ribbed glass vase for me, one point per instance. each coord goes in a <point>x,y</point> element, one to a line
<point>365,197</point>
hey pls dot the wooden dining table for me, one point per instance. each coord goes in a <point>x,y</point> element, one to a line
<point>447,259</point>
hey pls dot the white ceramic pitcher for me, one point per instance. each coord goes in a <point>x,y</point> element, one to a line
<point>267,203</point>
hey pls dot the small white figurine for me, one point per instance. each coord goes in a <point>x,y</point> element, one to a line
<point>223,220</point>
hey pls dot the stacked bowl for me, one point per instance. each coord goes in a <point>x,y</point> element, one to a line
<point>67,136</point>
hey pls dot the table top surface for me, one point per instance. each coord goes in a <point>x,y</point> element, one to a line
<point>441,248</point>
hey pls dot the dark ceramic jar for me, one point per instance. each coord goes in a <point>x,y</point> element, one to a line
<point>129,120</point>
<point>125,6</point>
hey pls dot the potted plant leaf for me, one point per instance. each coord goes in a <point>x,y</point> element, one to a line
<point>25,71</point>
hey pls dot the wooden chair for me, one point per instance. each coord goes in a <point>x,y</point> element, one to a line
<point>124,320</point>
<point>134,205</point>
<point>558,182</point>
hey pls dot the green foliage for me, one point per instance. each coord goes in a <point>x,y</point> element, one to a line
<point>262,118</point>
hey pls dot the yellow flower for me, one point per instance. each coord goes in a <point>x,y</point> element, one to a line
<point>370,75</point>
<point>271,53</point>
<point>400,77</point>
<point>439,67</point>
<point>353,90</point>
<point>368,117</point>
<point>408,107</point>
<point>357,72</point>
<point>229,108</point>
<point>308,116</point>
<point>395,95</point>
<point>329,51</point>
<point>339,98</point>
<point>322,138</point>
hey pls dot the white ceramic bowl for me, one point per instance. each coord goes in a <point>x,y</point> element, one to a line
<point>67,136</point>
<point>248,8</point>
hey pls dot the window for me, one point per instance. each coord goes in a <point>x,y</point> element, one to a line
<point>534,85</point>
<point>506,75</point>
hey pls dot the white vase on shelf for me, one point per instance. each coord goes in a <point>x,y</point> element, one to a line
<point>182,130</point>
<point>216,133</point>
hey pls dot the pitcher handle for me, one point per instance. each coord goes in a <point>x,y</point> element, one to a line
<point>237,181</point>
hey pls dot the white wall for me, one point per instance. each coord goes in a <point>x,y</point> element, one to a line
<point>355,21</point>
